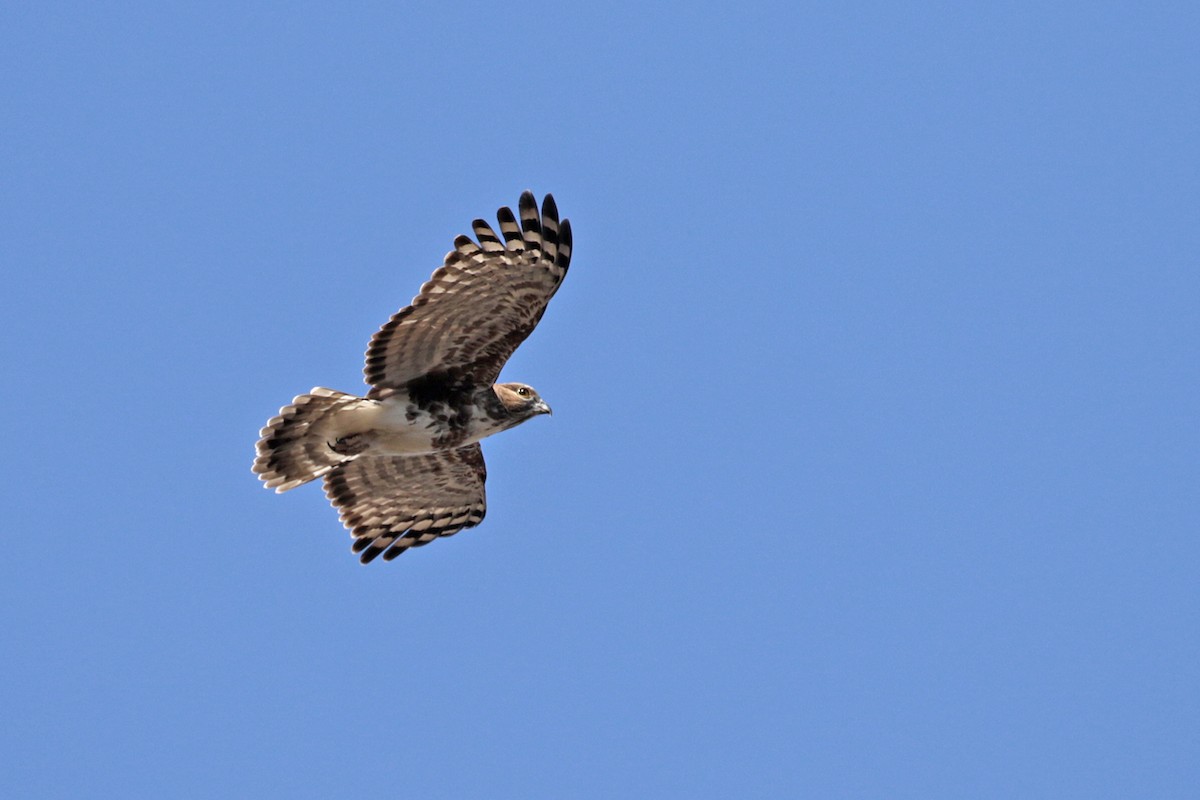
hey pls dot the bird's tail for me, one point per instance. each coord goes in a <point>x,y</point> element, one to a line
<point>295,446</point>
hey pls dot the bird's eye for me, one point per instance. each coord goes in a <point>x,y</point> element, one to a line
<point>523,392</point>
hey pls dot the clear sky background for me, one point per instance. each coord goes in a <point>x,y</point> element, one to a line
<point>874,466</point>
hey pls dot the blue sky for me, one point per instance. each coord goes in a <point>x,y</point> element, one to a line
<point>873,469</point>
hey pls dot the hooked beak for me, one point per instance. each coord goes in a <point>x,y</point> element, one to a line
<point>542,408</point>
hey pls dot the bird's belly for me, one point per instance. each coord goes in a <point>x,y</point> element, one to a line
<point>401,442</point>
<point>399,427</point>
<point>399,430</point>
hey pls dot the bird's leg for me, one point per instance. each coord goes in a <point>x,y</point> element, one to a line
<point>350,445</point>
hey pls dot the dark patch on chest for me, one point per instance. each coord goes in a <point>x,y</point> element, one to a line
<point>449,398</point>
<point>445,388</point>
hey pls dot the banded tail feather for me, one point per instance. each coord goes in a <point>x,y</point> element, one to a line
<point>295,447</point>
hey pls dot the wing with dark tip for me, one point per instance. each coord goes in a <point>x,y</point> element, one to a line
<point>483,301</point>
<point>393,503</point>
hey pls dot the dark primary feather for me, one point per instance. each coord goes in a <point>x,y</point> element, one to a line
<point>483,301</point>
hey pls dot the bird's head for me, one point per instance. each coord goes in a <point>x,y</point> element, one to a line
<point>521,400</point>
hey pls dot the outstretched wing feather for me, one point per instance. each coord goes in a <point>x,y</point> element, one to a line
<point>390,504</point>
<point>479,306</point>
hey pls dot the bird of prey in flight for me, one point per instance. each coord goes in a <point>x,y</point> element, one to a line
<point>403,464</point>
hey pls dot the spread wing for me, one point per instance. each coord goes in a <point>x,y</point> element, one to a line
<point>480,304</point>
<point>393,503</point>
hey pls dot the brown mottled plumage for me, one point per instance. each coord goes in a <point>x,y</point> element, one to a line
<point>403,465</point>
